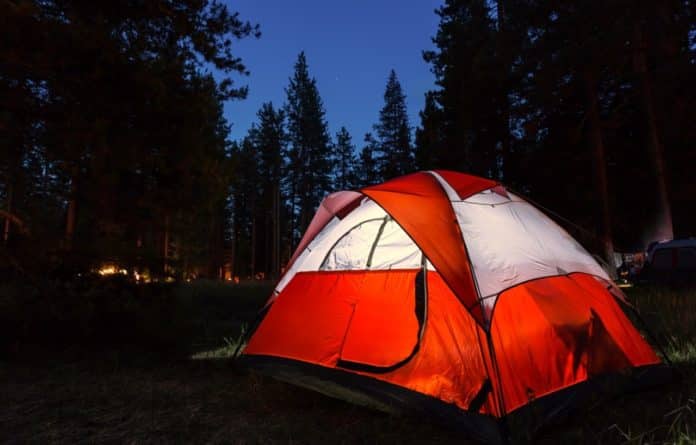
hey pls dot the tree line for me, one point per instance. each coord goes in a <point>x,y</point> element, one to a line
<point>114,144</point>
<point>115,147</point>
<point>288,162</point>
<point>116,154</point>
<point>587,107</point>
<point>583,108</point>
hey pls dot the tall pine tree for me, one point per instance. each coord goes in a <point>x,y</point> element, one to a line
<point>465,67</point>
<point>269,139</point>
<point>428,135</point>
<point>345,161</point>
<point>367,174</point>
<point>309,152</point>
<point>394,153</point>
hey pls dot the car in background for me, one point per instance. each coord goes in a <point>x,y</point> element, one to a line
<point>671,262</point>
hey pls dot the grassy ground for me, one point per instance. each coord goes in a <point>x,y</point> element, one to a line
<point>663,415</point>
<point>118,395</point>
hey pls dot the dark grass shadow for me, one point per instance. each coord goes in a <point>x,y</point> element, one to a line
<point>94,316</point>
<point>113,390</point>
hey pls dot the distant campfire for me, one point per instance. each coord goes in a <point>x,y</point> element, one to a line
<point>111,269</point>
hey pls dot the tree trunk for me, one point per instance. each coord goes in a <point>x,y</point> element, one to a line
<point>71,217</point>
<point>215,243</point>
<point>293,212</point>
<point>505,65</point>
<point>6,228</point>
<point>235,242</point>
<point>662,228</point>
<point>165,247</point>
<point>276,232</point>
<point>253,244</point>
<point>268,234</point>
<point>597,145</point>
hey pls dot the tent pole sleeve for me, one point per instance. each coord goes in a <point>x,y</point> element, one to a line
<point>374,245</point>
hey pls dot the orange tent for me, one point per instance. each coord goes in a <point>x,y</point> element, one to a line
<point>445,293</point>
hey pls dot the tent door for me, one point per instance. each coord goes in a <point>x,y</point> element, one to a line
<point>387,322</point>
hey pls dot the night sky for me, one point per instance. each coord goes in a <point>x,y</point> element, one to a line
<point>350,48</point>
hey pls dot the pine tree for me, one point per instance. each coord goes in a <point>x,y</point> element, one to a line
<point>367,173</point>
<point>245,196</point>
<point>465,67</point>
<point>394,154</point>
<point>269,140</point>
<point>309,152</point>
<point>345,161</point>
<point>118,126</point>
<point>428,136</point>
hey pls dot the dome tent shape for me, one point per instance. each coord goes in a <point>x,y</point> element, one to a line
<point>444,293</point>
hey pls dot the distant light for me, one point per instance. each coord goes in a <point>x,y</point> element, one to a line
<point>107,270</point>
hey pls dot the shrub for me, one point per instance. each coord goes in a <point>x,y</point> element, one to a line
<point>94,312</point>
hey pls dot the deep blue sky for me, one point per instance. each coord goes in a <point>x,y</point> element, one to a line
<point>350,48</point>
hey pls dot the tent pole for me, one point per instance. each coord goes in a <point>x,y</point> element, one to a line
<point>501,398</point>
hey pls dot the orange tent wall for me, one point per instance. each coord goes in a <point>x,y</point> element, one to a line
<point>451,363</point>
<point>369,317</point>
<point>551,333</point>
<point>547,334</point>
<point>310,319</point>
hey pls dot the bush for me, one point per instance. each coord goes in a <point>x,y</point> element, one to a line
<point>94,312</point>
<point>107,313</point>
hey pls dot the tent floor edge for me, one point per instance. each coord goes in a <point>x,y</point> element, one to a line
<point>377,394</point>
<point>556,407</point>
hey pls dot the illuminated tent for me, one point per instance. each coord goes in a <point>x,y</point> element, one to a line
<point>444,293</point>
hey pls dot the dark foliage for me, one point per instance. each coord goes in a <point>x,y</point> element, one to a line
<point>95,313</point>
<point>393,153</point>
<point>309,151</point>
<point>112,139</point>
<point>574,104</point>
<point>345,162</point>
<point>114,149</point>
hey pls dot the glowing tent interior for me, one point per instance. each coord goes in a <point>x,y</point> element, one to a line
<point>444,293</point>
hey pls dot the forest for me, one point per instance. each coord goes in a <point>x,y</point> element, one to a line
<point>116,156</point>
<point>141,237</point>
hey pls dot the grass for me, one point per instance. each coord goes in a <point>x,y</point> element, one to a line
<point>117,395</point>
<point>672,316</point>
<point>663,415</point>
<point>197,402</point>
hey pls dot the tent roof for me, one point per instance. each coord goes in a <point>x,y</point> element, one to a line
<point>421,206</point>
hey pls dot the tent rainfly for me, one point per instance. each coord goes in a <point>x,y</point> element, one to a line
<point>446,294</point>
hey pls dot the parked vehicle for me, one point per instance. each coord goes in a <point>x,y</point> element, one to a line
<point>671,262</point>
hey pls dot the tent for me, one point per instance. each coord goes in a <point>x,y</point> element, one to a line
<point>446,294</point>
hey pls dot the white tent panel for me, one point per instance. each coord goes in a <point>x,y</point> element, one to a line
<point>345,244</point>
<point>510,242</point>
<point>353,249</point>
<point>330,236</point>
<point>302,260</point>
<point>317,250</point>
<point>395,249</point>
<point>287,276</point>
<point>489,197</point>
